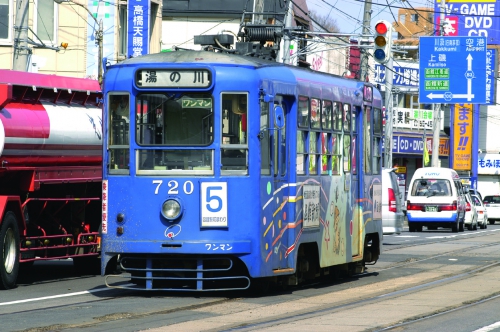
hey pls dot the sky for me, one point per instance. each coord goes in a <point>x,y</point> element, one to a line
<point>349,13</point>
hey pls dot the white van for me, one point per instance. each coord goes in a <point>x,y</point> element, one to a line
<point>435,199</point>
<point>392,213</point>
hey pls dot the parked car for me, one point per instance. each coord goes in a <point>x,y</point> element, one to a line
<point>475,192</point>
<point>392,213</point>
<point>482,213</point>
<point>470,220</point>
<point>492,203</point>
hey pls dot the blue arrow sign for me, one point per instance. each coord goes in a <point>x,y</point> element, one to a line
<point>452,70</point>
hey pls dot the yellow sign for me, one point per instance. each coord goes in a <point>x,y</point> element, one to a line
<point>401,169</point>
<point>462,133</point>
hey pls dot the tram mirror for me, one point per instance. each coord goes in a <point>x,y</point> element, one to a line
<point>279,117</point>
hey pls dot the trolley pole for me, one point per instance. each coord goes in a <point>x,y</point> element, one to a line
<point>367,17</point>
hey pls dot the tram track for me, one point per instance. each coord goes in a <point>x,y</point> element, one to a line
<point>240,311</point>
<point>345,301</point>
<point>342,307</point>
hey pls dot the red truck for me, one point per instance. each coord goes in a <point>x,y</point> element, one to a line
<point>50,171</point>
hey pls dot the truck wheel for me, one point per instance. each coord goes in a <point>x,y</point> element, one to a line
<point>9,244</point>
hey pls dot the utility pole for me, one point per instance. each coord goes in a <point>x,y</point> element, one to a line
<point>21,50</point>
<point>437,107</point>
<point>367,17</point>
<point>99,35</point>
<point>286,38</point>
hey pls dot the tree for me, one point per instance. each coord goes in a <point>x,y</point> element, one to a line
<point>323,23</point>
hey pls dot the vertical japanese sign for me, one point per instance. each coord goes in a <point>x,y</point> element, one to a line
<point>491,60</point>
<point>138,28</point>
<point>462,142</point>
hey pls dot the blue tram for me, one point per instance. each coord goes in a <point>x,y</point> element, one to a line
<point>222,171</point>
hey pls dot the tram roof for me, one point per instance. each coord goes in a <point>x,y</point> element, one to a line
<point>186,56</point>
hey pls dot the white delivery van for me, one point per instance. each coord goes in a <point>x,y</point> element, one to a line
<point>435,199</point>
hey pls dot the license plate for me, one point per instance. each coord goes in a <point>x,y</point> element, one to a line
<point>431,209</point>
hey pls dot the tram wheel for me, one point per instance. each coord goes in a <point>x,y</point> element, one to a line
<point>9,246</point>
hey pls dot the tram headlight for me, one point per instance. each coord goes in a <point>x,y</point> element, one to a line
<point>171,209</point>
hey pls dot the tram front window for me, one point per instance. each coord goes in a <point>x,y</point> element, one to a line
<point>175,123</point>
<point>119,111</point>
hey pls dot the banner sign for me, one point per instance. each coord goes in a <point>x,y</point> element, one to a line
<point>462,133</point>
<point>415,145</point>
<point>488,163</point>
<point>138,28</point>
<point>414,118</point>
<point>470,18</point>
<point>403,76</point>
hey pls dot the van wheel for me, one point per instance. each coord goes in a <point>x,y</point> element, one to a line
<point>9,251</point>
<point>412,228</point>
<point>461,227</point>
<point>492,222</point>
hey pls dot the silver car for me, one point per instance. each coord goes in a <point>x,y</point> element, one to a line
<point>492,203</point>
<point>392,213</point>
<point>482,213</point>
<point>471,214</point>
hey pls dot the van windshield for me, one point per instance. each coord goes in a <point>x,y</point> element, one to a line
<point>431,187</point>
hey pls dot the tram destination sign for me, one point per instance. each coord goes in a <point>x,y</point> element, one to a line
<point>452,70</point>
<point>173,78</point>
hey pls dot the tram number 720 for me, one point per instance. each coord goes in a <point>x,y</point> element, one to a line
<point>213,200</point>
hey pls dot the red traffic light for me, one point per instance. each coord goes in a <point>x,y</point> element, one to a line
<point>381,28</point>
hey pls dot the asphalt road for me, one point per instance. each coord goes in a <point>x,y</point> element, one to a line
<point>417,279</point>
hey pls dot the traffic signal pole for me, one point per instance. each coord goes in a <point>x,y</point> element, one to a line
<point>389,77</point>
<point>382,53</point>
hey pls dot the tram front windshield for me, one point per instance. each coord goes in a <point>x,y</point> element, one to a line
<point>176,133</point>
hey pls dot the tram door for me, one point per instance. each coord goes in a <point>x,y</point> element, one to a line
<point>357,148</point>
<point>280,173</point>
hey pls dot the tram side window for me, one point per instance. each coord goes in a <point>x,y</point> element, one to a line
<point>234,146</point>
<point>118,119</point>
<point>313,152</point>
<point>301,152</point>
<point>336,153</point>
<point>303,112</point>
<point>315,113</point>
<point>265,151</point>
<point>347,114</point>
<point>367,142</point>
<point>326,126</point>
<point>355,110</point>
<point>377,140</point>
<point>326,115</point>
<point>337,116</point>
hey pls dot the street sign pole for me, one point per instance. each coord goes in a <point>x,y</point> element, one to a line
<point>437,107</point>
